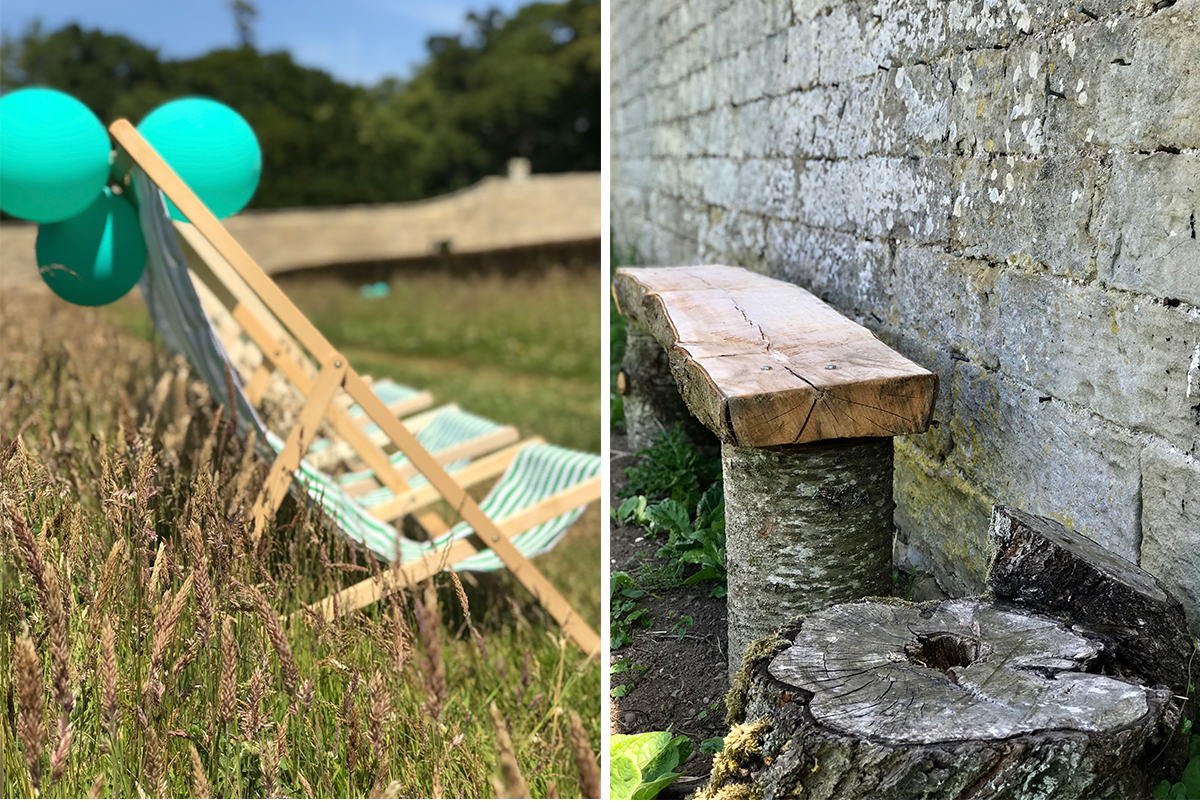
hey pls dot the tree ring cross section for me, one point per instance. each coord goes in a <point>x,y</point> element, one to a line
<point>804,402</point>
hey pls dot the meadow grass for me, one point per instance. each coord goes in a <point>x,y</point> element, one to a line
<point>147,645</point>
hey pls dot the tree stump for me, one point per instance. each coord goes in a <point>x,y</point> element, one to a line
<point>652,400</point>
<point>804,528</point>
<point>956,699</point>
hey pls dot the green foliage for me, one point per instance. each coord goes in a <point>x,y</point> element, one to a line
<point>697,539</point>
<point>1188,785</point>
<point>624,665</point>
<point>713,745</point>
<point>526,85</point>
<point>680,626</point>
<point>672,467</point>
<point>643,764</point>
<point>624,612</point>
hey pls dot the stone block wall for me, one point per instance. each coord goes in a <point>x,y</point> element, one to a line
<point>1005,192</point>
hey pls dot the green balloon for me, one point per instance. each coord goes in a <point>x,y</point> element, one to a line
<point>54,155</point>
<point>95,257</point>
<point>211,147</point>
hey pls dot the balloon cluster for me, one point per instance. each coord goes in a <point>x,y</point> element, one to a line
<point>55,164</point>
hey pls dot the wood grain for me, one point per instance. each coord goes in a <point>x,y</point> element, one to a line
<point>765,363</point>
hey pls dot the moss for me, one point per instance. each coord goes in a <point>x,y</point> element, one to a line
<point>731,791</point>
<point>739,687</point>
<point>743,742</point>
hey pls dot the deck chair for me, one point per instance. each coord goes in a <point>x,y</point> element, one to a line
<point>542,487</point>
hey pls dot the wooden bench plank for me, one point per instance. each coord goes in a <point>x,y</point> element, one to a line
<point>765,363</point>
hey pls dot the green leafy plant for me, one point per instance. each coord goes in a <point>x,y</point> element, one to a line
<point>680,627</point>
<point>671,468</point>
<point>642,765</point>
<point>691,540</point>
<point>1188,785</point>
<point>713,745</point>
<point>625,614</point>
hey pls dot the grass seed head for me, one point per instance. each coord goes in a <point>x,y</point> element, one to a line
<point>279,641</point>
<point>512,783</point>
<point>200,786</point>
<point>14,520</point>
<point>56,636</point>
<point>110,709</point>
<point>227,688</point>
<point>585,760</point>
<point>31,725</point>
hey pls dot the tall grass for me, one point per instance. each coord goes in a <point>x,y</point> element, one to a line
<point>149,646</point>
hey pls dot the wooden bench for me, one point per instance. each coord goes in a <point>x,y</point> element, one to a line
<point>805,403</point>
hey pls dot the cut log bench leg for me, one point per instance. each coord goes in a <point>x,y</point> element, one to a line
<point>804,403</point>
<point>652,400</point>
<point>805,527</point>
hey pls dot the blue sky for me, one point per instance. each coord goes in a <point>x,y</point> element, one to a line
<point>357,41</point>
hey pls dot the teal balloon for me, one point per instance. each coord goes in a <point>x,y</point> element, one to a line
<point>211,147</point>
<point>54,155</point>
<point>95,257</point>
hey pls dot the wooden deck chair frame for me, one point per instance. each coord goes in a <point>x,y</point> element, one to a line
<point>221,275</point>
<point>336,373</point>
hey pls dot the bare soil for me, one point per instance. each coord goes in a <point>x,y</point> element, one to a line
<point>679,680</point>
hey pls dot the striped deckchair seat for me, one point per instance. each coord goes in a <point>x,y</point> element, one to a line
<point>537,472</point>
<point>452,426</point>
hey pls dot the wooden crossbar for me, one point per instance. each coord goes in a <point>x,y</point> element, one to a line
<point>280,475</point>
<point>336,371</point>
<point>369,591</point>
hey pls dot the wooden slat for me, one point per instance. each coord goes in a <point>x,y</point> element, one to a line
<point>477,471</point>
<point>521,568</point>
<point>369,591</point>
<point>256,387</point>
<point>765,363</point>
<point>280,475</point>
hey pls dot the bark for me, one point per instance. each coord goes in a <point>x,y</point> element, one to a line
<point>652,399</point>
<point>804,528</point>
<point>1041,565</point>
<point>957,699</point>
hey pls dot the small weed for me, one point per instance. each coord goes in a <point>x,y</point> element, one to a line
<point>712,745</point>
<point>625,612</point>
<point>680,627</point>
<point>620,691</point>
<point>903,582</point>
<point>671,468</point>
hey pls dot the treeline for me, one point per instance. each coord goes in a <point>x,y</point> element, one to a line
<point>526,85</point>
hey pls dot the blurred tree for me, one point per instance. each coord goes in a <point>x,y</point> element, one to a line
<point>527,86</point>
<point>244,14</point>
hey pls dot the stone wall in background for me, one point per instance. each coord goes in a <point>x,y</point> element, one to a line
<point>1004,192</point>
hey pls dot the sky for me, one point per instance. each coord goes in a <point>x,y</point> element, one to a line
<point>357,41</point>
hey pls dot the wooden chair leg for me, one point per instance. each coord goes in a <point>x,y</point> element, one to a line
<point>280,476</point>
